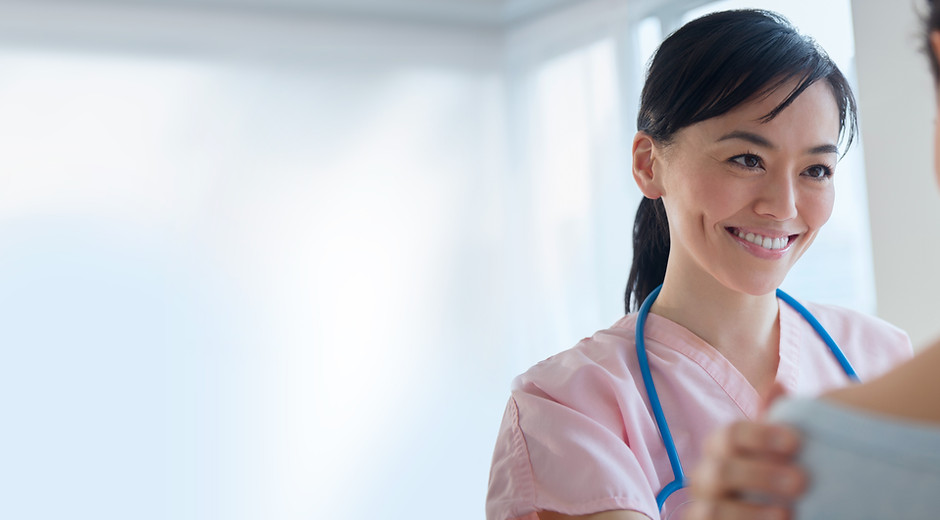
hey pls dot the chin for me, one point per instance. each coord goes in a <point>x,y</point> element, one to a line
<point>757,286</point>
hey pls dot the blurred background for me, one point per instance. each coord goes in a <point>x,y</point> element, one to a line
<point>282,258</point>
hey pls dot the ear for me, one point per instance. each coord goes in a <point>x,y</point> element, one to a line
<point>645,157</point>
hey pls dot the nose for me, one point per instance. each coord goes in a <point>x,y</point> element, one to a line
<point>777,196</point>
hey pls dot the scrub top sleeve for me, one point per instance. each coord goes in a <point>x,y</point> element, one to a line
<point>552,457</point>
<point>511,491</point>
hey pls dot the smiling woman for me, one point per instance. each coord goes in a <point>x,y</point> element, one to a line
<point>738,131</point>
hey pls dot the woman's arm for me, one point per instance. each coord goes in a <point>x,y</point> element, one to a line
<point>743,460</point>
<point>740,462</point>
<point>606,515</point>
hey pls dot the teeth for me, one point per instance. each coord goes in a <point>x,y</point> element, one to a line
<point>765,242</point>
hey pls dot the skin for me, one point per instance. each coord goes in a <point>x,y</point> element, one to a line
<point>738,451</point>
<point>729,173</point>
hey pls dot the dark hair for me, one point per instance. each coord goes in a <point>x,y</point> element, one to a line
<point>705,69</point>
<point>932,23</point>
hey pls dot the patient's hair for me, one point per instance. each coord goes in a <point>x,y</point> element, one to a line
<point>932,23</point>
<point>703,70</point>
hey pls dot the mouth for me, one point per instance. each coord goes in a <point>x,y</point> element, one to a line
<point>767,242</point>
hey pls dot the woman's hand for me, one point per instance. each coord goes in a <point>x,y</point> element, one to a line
<point>748,470</point>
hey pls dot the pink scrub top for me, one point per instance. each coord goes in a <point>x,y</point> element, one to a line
<point>578,436</point>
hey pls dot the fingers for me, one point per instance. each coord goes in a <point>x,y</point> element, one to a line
<point>734,510</point>
<point>717,478</point>
<point>747,470</point>
<point>747,438</point>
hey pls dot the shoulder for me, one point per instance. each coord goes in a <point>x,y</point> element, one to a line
<point>590,387</point>
<point>851,322</point>
<point>871,339</point>
<point>592,364</point>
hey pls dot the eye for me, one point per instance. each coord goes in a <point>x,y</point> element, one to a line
<point>818,172</point>
<point>747,160</point>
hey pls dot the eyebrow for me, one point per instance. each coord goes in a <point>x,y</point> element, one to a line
<point>761,141</point>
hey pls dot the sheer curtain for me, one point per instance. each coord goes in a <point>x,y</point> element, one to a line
<point>243,286</point>
<point>576,196</point>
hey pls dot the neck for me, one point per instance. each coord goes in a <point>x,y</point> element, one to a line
<point>744,328</point>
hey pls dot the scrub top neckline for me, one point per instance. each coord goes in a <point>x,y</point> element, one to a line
<point>663,333</point>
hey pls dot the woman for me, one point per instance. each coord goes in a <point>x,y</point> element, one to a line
<point>873,450</point>
<point>737,141</point>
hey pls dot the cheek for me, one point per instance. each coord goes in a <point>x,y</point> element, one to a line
<point>722,200</point>
<point>704,192</point>
<point>818,208</point>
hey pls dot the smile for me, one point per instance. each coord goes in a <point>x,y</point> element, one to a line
<point>771,243</point>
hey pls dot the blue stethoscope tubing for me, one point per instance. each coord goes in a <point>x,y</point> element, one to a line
<point>680,481</point>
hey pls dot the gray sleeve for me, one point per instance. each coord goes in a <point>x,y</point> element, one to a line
<point>863,465</point>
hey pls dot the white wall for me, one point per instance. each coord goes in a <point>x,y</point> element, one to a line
<point>247,265</point>
<point>897,113</point>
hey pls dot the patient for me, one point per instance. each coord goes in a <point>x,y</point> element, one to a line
<point>871,450</point>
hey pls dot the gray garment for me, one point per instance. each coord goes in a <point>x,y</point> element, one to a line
<point>864,465</point>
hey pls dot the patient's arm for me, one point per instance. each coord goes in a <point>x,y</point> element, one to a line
<point>909,391</point>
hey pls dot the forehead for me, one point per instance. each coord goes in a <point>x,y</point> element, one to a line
<point>812,117</point>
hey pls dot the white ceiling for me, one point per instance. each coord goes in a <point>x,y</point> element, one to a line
<point>470,12</point>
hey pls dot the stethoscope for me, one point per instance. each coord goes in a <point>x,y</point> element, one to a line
<point>680,480</point>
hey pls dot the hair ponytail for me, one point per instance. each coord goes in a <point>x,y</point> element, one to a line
<point>650,252</point>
